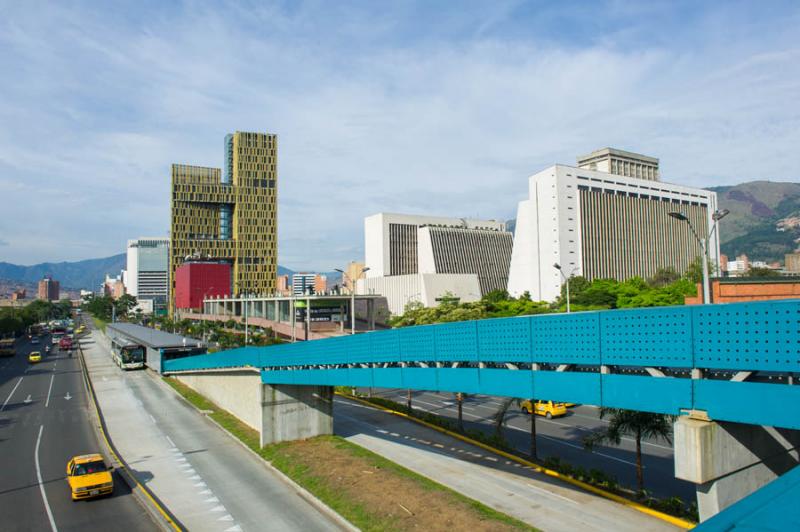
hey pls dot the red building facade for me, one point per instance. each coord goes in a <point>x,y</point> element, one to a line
<point>197,280</point>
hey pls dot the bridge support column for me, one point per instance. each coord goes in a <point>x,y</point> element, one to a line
<point>728,461</point>
<point>290,412</point>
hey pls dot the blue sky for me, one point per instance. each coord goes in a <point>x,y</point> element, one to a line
<point>427,107</point>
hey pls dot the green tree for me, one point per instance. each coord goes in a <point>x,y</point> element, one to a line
<point>663,277</point>
<point>762,272</point>
<point>640,425</point>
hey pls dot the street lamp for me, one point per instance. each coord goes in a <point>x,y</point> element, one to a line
<point>557,266</point>
<point>716,217</point>
<point>352,296</point>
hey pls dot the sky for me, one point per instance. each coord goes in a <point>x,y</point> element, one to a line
<point>434,107</point>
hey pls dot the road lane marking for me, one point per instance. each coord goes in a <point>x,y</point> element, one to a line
<point>27,399</point>
<point>50,389</point>
<point>152,419</point>
<point>170,441</point>
<point>41,484</point>
<point>9,395</point>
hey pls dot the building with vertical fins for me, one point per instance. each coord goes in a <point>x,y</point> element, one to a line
<point>229,215</point>
<point>602,225</point>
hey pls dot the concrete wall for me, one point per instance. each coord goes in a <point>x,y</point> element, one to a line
<point>278,412</point>
<point>237,392</point>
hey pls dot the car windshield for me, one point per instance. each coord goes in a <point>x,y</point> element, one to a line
<point>89,467</point>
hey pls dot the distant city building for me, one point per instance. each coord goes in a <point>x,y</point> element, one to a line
<point>738,267</point>
<point>147,274</point>
<point>353,272</point>
<point>48,289</point>
<point>620,162</point>
<point>195,281</point>
<point>283,285</point>
<point>18,294</point>
<point>733,290</point>
<point>113,287</point>
<point>230,214</point>
<point>428,289</point>
<point>792,264</point>
<point>320,284</point>
<point>303,283</point>
<point>723,265</point>
<point>604,226</point>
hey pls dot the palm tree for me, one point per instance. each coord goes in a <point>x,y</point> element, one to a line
<point>639,425</point>
<point>460,402</point>
<point>500,420</point>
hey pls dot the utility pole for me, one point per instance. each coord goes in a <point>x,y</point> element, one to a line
<point>352,296</point>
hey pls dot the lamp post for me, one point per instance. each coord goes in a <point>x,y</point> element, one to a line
<point>352,296</point>
<point>557,266</point>
<point>716,217</point>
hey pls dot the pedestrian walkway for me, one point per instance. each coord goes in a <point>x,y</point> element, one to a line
<point>546,503</point>
<point>205,479</point>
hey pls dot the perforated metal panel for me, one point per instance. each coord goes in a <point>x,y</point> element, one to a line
<point>278,377</point>
<point>660,337</point>
<point>457,341</point>
<point>387,377</point>
<point>567,387</point>
<point>463,380</point>
<point>417,343</point>
<point>566,338</point>
<point>385,345</point>
<point>663,395</point>
<point>360,377</point>
<point>748,336</point>
<point>504,340</point>
<point>503,382</point>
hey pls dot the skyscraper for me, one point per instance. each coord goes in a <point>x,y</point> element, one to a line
<point>48,289</point>
<point>230,215</point>
<point>147,270</point>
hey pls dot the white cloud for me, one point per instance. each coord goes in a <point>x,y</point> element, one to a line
<point>368,117</point>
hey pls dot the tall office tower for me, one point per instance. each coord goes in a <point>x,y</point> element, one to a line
<point>620,162</point>
<point>48,289</point>
<point>147,273</point>
<point>604,226</point>
<point>230,215</point>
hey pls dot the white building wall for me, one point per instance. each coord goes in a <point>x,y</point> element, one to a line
<point>399,290</point>
<point>132,267</point>
<point>425,259</point>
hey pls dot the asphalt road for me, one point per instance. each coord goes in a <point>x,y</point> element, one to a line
<point>562,437</point>
<point>44,421</point>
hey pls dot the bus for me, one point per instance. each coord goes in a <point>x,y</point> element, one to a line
<point>126,354</point>
<point>57,333</point>
<point>7,347</point>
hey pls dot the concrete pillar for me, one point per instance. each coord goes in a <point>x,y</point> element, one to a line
<point>728,461</point>
<point>371,313</point>
<point>292,412</point>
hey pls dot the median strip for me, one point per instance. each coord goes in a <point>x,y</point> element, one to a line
<point>368,490</point>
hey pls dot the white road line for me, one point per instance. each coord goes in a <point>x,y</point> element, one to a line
<point>50,389</point>
<point>41,484</point>
<point>12,393</point>
<point>551,494</point>
<point>170,441</point>
<point>152,419</point>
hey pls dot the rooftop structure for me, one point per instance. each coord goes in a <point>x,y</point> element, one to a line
<point>621,162</point>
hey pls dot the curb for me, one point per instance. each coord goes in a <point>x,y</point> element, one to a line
<point>675,521</point>
<point>161,516</point>
<point>309,497</point>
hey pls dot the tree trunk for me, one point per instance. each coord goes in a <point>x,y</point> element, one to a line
<point>460,401</point>
<point>639,469</point>
<point>408,400</point>
<point>534,451</point>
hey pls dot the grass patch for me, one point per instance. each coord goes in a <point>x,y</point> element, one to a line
<point>354,481</point>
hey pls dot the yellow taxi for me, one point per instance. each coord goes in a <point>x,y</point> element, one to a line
<point>80,330</point>
<point>88,477</point>
<point>548,409</point>
<point>34,357</point>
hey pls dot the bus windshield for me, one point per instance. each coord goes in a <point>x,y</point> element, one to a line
<point>132,354</point>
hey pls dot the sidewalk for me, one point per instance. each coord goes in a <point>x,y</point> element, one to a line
<point>207,481</point>
<point>541,501</point>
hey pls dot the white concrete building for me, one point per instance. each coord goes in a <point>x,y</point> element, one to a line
<point>421,258</point>
<point>147,273</point>
<point>425,288</point>
<point>601,225</point>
